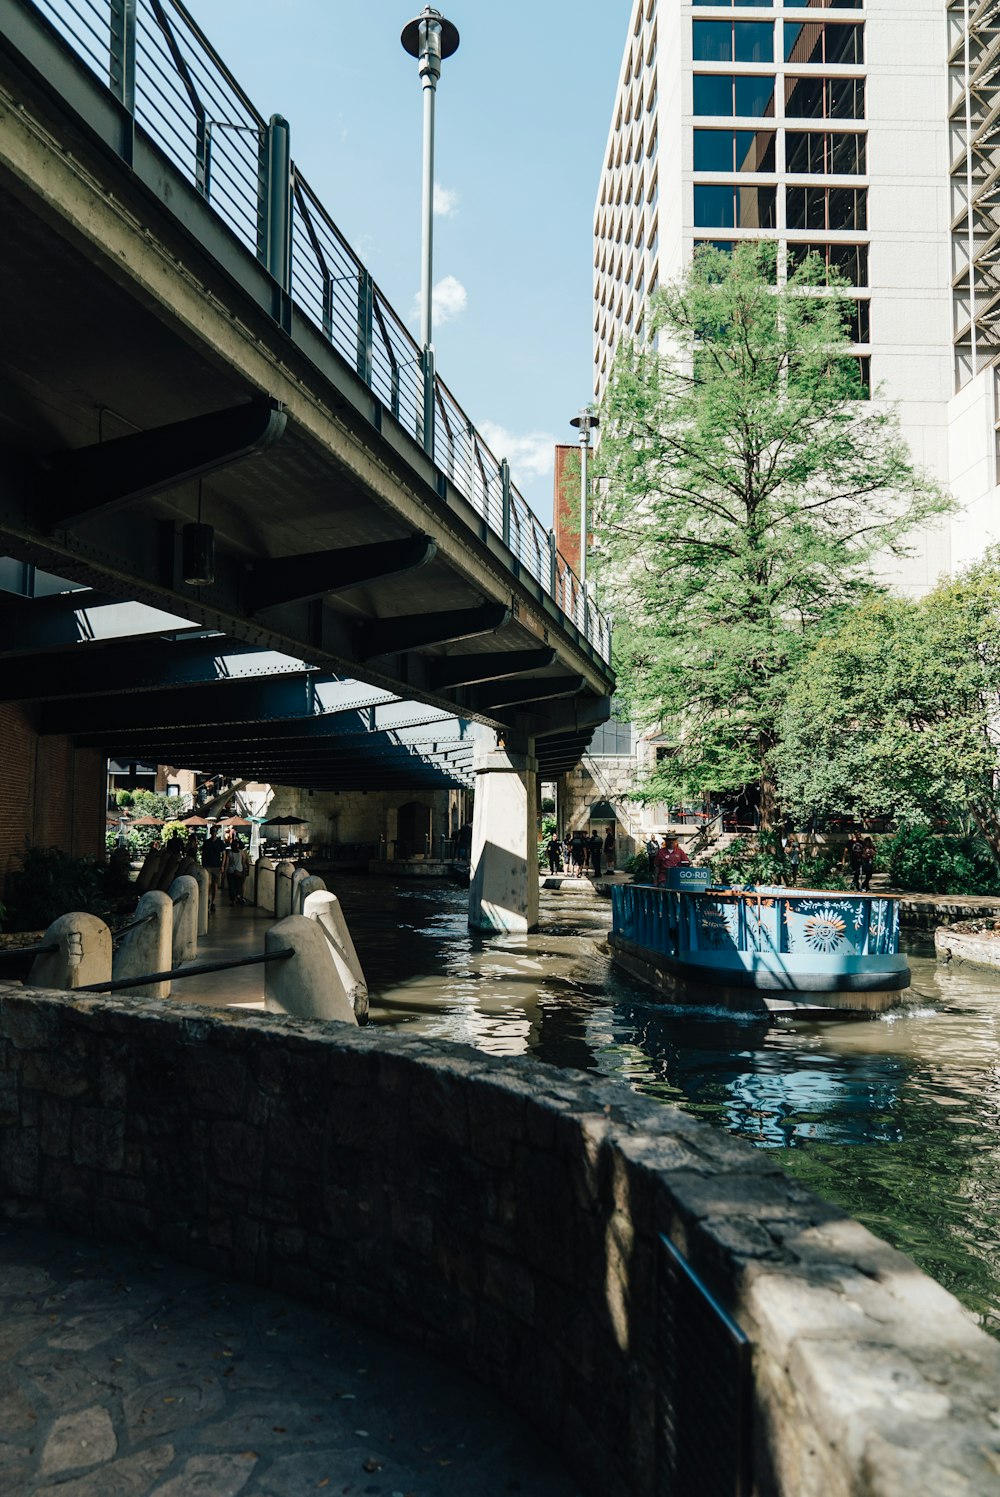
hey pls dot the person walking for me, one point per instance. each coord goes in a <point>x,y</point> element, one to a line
<point>609,850</point>
<point>236,867</point>
<point>596,849</point>
<point>211,860</point>
<point>854,856</point>
<point>554,850</point>
<point>867,864</point>
<point>578,853</point>
<point>794,858</point>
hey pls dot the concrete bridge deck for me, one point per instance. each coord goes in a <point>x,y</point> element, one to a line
<point>126,1374</point>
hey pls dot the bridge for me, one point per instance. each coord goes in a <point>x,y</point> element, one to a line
<point>214,429</point>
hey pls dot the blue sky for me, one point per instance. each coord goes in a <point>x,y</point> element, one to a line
<point>523,114</point>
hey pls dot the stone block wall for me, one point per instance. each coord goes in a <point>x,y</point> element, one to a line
<point>505,1216</point>
<point>51,794</point>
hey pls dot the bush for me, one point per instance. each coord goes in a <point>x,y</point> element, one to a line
<point>762,860</point>
<point>920,860</point>
<point>639,868</point>
<point>49,884</point>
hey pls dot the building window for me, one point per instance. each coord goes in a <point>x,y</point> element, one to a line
<point>815,4</point>
<point>819,42</point>
<point>825,98</point>
<point>732,207</point>
<point>722,93</point>
<point>840,154</point>
<point>767,261</point>
<point>826,207</point>
<point>860,324</point>
<point>849,260</point>
<point>732,41</point>
<point>765,4</point>
<point>734,150</point>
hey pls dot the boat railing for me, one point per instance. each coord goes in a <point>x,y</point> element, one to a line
<point>772,921</point>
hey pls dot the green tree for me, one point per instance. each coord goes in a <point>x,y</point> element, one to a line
<point>897,711</point>
<point>747,486</point>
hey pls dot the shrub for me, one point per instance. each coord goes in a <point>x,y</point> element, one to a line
<point>920,860</point>
<point>49,883</point>
<point>762,860</point>
<point>638,867</point>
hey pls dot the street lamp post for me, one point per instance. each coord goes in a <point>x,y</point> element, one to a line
<point>586,422</point>
<point>430,39</point>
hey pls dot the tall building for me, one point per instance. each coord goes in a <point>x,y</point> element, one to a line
<point>861,131</point>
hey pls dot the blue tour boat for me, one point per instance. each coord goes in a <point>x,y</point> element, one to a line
<point>769,948</point>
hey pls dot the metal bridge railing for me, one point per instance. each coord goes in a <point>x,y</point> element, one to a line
<point>158,62</point>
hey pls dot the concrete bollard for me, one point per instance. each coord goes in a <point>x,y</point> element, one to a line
<point>184,896</point>
<point>307,985</point>
<point>264,895</point>
<point>148,947</point>
<point>173,857</point>
<point>204,882</point>
<point>325,909</point>
<point>283,876</point>
<point>304,884</point>
<point>83,955</point>
<point>150,870</point>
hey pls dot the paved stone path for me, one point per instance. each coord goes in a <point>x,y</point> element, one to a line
<point>122,1375</point>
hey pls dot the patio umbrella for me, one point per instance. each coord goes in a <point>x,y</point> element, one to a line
<point>147,821</point>
<point>195,821</point>
<point>235,821</point>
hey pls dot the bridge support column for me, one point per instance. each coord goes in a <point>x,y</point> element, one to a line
<point>503,893</point>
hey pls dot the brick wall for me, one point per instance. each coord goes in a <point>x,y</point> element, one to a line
<point>51,795</point>
<point>507,1216</point>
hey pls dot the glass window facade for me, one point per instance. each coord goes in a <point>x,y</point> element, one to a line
<point>825,98</point>
<point>732,41</point>
<point>836,154</point>
<point>849,261</point>
<point>817,42</point>
<point>826,207</point>
<point>723,94</point>
<point>729,206</point>
<point>734,150</point>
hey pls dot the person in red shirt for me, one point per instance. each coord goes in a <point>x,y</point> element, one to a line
<point>670,855</point>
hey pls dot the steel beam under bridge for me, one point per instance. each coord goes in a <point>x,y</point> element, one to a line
<point>223,393</point>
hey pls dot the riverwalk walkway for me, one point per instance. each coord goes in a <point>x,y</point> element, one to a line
<point>123,1375</point>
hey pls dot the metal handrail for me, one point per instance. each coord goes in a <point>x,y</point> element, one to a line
<point>42,950</point>
<point>155,58</point>
<point>197,969</point>
<point>133,925</point>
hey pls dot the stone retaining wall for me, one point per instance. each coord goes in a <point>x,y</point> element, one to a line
<point>505,1215</point>
<point>966,946</point>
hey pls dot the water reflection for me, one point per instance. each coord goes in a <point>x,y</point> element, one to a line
<point>897,1119</point>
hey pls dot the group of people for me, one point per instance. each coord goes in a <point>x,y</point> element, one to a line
<point>226,860</point>
<point>581,853</point>
<point>861,859</point>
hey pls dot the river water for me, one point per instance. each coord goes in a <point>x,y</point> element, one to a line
<point>896,1119</point>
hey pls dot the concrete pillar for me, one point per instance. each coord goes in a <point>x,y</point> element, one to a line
<point>173,857</point>
<point>149,873</point>
<point>204,882</point>
<point>83,955</point>
<point>325,909</point>
<point>265,884</point>
<point>503,893</point>
<point>283,875</point>
<point>307,985</point>
<point>184,895</point>
<point>302,887</point>
<point>148,947</point>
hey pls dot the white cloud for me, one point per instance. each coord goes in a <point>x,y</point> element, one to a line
<point>445,201</point>
<point>449,300</point>
<point>530,456</point>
